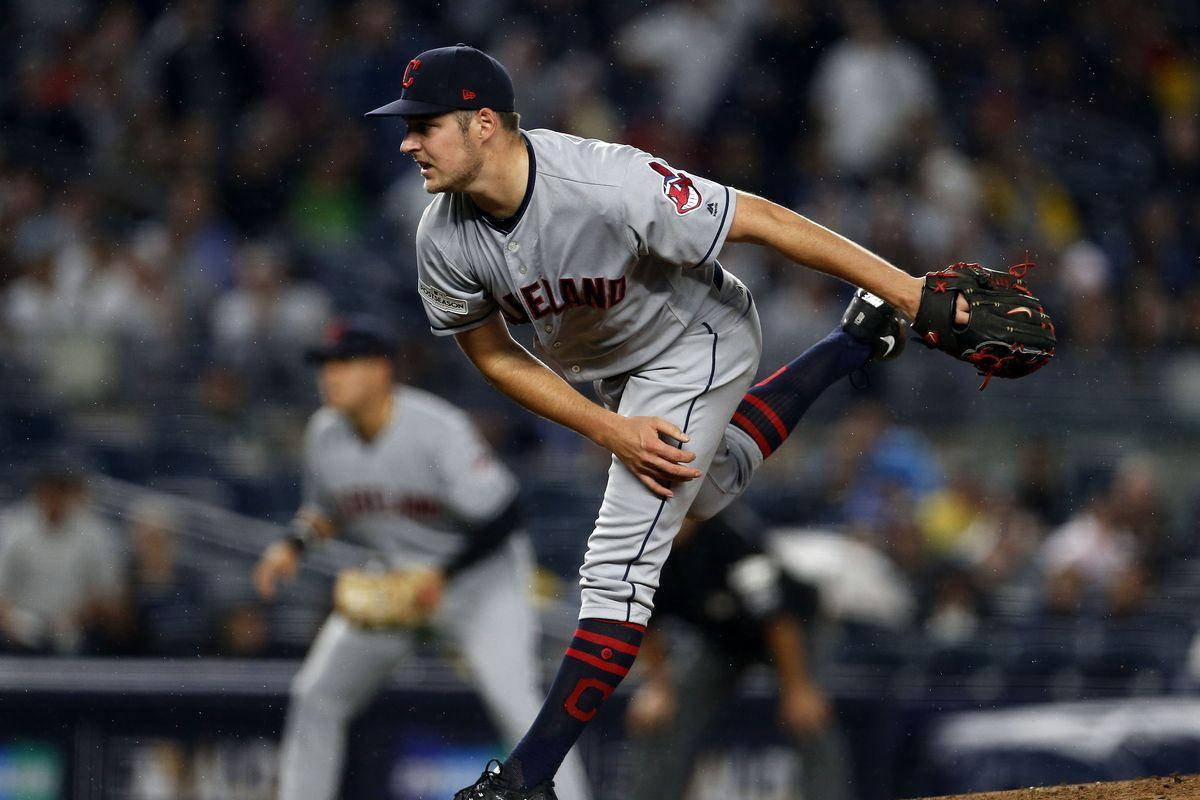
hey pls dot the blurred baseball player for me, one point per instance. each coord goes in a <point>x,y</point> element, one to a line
<point>404,473</point>
<point>744,609</point>
<point>611,254</point>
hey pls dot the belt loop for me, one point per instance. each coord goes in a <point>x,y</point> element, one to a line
<point>718,278</point>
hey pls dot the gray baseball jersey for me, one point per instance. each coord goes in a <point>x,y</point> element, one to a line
<point>611,258</point>
<point>49,574</point>
<point>409,493</point>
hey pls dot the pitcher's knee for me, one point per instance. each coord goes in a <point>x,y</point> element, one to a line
<point>708,503</point>
<point>634,604</point>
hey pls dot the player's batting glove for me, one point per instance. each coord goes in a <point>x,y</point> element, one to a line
<point>1008,334</point>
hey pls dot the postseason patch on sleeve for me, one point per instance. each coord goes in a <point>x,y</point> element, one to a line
<point>439,299</point>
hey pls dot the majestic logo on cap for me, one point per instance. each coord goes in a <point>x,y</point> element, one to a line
<point>409,72</point>
<point>678,188</point>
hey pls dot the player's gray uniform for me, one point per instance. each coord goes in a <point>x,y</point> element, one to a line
<point>614,262</point>
<point>407,495</point>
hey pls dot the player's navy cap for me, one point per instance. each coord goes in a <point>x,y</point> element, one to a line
<point>451,78</point>
<point>353,337</point>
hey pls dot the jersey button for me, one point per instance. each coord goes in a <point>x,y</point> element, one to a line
<point>557,345</point>
<point>574,368</point>
<point>522,269</point>
<point>512,247</point>
<point>548,329</point>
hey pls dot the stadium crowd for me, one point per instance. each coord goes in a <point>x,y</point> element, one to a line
<point>189,193</point>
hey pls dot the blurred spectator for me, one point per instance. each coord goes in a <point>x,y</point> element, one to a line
<point>282,49</point>
<point>263,170</point>
<point>42,127</point>
<point>244,631</point>
<point>136,297</point>
<point>1103,559</point>
<point>947,222</point>
<point>232,432</point>
<point>878,466</point>
<point>1084,271</point>
<point>1039,483</point>
<point>170,599</point>
<point>689,47</point>
<point>48,309</point>
<point>22,197</point>
<point>60,570</point>
<point>1163,250</point>
<point>263,325</point>
<point>1000,544</point>
<point>199,66</point>
<point>109,92</point>
<point>945,514</point>
<point>328,207</point>
<point>982,547</point>
<point>956,607</point>
<point>203,239</point>
<point>872,92</point>
<point>39,305</point>
<point>583,108</point>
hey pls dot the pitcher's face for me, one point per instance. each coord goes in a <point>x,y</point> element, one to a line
<point>448,158</point>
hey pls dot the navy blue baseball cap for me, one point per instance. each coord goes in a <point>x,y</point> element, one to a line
<point>357,336</point>
<point>449,79</point>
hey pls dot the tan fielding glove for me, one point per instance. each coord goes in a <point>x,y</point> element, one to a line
<point>382,600</point>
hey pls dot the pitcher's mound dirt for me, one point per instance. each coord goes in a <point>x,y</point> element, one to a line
<point>1172,787</point>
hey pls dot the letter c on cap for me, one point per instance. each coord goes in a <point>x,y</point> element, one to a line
<point>412,67</point>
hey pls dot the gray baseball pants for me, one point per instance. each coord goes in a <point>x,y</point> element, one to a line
<point>696,383</point>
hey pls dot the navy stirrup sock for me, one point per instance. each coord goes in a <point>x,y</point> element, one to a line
<point>773,407</point>
<point>598,657</point>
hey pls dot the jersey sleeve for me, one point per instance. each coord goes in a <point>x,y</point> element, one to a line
<point>477,484</point>
<point>455,300</point>
<point>673,215</point>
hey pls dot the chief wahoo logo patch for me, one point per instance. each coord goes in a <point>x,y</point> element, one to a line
<point>678,188</point>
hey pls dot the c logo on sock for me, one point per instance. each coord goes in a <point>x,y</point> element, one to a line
<point>572,704</point>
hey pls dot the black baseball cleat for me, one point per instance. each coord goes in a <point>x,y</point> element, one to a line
<point>874,322</point>
<point>493,784</point>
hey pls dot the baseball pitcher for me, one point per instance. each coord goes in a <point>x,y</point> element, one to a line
<point>611,255</point>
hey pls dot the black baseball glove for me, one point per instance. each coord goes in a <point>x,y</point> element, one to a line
<point>1009,333</point>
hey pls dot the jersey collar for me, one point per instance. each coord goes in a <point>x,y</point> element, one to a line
<point>508,224</point>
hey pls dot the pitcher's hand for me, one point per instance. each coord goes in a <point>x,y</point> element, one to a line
<point>639,444</point>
